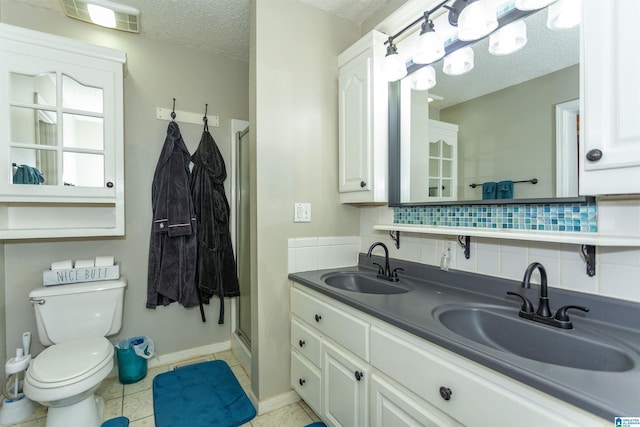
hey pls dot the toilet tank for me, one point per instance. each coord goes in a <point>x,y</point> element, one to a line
<point>79,310</point>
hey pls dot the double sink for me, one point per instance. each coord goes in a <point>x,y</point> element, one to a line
<point>499,327</point>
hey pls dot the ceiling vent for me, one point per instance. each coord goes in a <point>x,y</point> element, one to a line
<point>104,13</point>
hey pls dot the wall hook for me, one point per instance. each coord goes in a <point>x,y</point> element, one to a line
<point>204,119</point>
<point>589,256</point>
<point>173,110</point>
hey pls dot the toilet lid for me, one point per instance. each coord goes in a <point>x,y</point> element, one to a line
<point>70,359</point>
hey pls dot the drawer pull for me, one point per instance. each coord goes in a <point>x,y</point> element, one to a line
<point>301,381</point>
<point>301,343</point>
<point>445,393</point>
<point>318,317</point>
<point>359,375</point>
<point>594,155</point>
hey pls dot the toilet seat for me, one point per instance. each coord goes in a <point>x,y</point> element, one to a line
<point>70,362</point>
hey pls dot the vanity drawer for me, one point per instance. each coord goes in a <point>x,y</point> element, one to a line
<point>334,323</point>
<point>305,341</point>
<point>478,396</point>
<point>305,380</point>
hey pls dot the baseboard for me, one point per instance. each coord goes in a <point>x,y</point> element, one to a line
<point>276,402</point>
<point>242,353</point>
<point>169,358</point>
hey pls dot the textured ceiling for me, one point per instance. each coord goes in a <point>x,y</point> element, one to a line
<point>218,26</point>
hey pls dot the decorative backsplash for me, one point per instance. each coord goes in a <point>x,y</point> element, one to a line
<point>548,216</point>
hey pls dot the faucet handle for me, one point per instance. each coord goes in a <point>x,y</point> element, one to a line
<point>380,268</point>
<point>394,273</point>
<point>562,315</point>
<point>527,307</point>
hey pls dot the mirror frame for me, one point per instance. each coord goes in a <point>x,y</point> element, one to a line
<point>395,143</point>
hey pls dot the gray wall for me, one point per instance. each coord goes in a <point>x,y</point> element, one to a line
<point>157,72</point>
<point>296,150</point>
<point>510,134</point>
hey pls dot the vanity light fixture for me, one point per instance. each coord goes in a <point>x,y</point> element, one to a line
<point>563,14</point>
<point>429,47</point>
<point>104,13</point>
<point>395,67</point>
<point>477,20</point>
<point>459,62</point>
<point>508,39</point>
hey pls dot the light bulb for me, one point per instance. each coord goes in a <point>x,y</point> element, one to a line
<point>459,62</point>
<point>477,20</point>
<point>395,67</point>
<point>532,4</point>
<point>101,15</point>
<point>424,78</point>
<point>564,14</point>
<point>429,47</point>
<point>508,39</point>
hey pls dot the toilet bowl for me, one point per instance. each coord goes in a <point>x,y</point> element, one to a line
<point>65,376</point>
<point>74,321</point>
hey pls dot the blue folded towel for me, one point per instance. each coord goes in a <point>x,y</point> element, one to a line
<point>27,175</point>
<point>489,190</point>
<point>505,190</point>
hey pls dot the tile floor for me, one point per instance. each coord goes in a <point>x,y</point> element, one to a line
<point>135,401</point>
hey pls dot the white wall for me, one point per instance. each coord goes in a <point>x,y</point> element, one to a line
<point>295,117</point>
<point>156,73</point>
<point>617,269</point>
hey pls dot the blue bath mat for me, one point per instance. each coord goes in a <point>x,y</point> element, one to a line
<point>116,422</point>
<point>205,394</point>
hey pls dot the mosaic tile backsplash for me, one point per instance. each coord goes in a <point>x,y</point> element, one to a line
<point>546,217</point>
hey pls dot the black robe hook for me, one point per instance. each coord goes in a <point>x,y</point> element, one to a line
<point>204,119</point>
<point>173,111</point>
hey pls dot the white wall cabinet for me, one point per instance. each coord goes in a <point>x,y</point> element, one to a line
<point>62,113</point>
<point>610,129</point>
<point>400,379</point>
<point>362,123</point>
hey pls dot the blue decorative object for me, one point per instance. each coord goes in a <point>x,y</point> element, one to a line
<point>201,395</point>
<point>116,422</point>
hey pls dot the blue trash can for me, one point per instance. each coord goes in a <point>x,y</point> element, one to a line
<point>132,354</point>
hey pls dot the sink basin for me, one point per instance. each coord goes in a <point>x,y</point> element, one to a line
<point>367,283</point>
<point>503,330</point>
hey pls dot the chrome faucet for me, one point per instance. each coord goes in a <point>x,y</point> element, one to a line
<point>385,272</point>
<point>543,313</point>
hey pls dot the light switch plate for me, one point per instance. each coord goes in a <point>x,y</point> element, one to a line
<point>302,212</point>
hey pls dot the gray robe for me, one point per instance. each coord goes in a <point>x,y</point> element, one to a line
<point>173,243</point>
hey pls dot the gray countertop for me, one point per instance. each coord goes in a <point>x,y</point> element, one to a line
<point>603,393</point>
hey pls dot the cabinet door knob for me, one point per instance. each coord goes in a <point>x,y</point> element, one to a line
<point>301,381</point>
<point>594,155</point>
<point>445,393</point>
<point>359,375</point>
<point>363,184</point>
<point>301,343</point>
<point>109,184</point>
<point>318,317</point>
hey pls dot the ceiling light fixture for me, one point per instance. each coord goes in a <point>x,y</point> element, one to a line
<point>459,62</point>
<point>424,78</point>
<point>104,13</point>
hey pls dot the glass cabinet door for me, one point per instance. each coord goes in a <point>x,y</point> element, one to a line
<point>57,129</point>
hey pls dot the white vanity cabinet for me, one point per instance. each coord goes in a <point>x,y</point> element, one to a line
<point>362,123</point>
<point>356,370</point>
<point>610,137</point>
<point>61,143</point>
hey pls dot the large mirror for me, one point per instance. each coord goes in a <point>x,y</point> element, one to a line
<point>511,120</point>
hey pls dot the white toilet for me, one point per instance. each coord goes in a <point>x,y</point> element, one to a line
<point>73,321</point>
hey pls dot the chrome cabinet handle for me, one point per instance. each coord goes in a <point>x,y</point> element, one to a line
<point>37,301</point>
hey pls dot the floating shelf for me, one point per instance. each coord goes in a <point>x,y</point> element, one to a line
<point>571,237</point>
